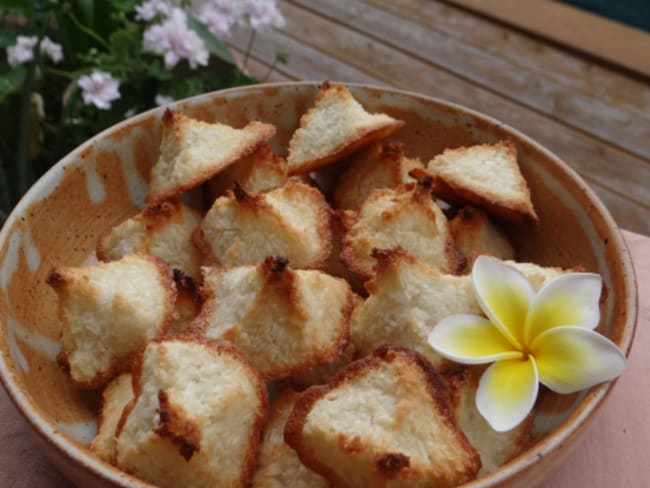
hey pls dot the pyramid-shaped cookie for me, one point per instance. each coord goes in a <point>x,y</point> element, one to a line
<point>197,416</point>
<point>381,165</point>
<point>336,126</point>
<point>406,216</point>
<point>485,175</point>
<point>285,320</point>
<point>109,311</point>
<point>163,230</point>
<point>407,298</point>
<point>495,448</point>
<point>192,152</point>
<point>385,420</point>
<point>244,228</point>
<point>279,466</point>
<point>261,171</point>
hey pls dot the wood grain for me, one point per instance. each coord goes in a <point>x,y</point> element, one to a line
<point>582,75</point>
<point>493,72</point>
<point>579,29</point>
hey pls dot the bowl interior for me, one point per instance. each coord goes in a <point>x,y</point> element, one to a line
<point>105,181</point>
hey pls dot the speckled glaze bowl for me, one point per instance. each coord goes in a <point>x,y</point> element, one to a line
<point>105,180</point>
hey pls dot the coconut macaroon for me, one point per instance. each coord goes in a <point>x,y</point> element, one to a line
<point>197,416</point>
<point>539,275</point>
<point>336,126</point>
<point>487,176</point>
<point>285,320</point>
<point>193,151</point>
<point>117,394</point>
<point>407,298</point>
<point>407,217</point>
<point>163,230</point>
<point>474,233</point>
<point>382,165</point>
<point>256,173</point>
<point>385,420</point>
<point>279,466</point>
<point>290,221</point>
<point>108,312</point>
<point>494,448</point>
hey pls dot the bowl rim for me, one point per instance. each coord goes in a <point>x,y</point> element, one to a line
<point>47,431</point>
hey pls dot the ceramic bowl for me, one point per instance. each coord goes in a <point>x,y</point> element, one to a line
<point>105,180</point>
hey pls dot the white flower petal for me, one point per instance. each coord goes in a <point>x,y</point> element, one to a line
<point>570,299</point>
<point>507,392</point>
<point>504,295</point>
<point>571,359</point>
<point>470,339</point>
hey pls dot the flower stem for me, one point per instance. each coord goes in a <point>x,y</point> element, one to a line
<point>89,32</point>
<point>248,49</point>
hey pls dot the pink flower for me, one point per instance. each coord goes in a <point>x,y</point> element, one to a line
<point>263,13</point>
<point>99,89</point>
<point>151,8</point>
<point>53,50</point>
<point>173,39</point>
<point>22,51</point>
<point>217,15</point>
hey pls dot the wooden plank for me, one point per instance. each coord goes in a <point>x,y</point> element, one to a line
<point>259,69</point>
<point>530,53</point>
<point>595,35</point>
<point>311,63</point>
<point>590,114</point>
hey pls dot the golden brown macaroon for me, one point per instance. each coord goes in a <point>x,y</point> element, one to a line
<point>474,233</point>
<point>261,171</point>
<point>244,228</point>
<point>341,222</point>
<point>406,216</point>
<point>336,126</point>
<point>108,311</point>
<point>407,298</point>
<point>193,151</point>
<point>323,373</point>
<point>279,466</point>
<point>285,320</point>
<point>384,421</point>
<point>163,230</point>
<point>117,394</point>
<point>197,416</point>
<point>487,176</point>
<point>381,165</point>
<point>495,448</point>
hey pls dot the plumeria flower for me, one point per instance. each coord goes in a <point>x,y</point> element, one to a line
<point>530,337</point>
<point>99,89</point>
<point>176,41</point>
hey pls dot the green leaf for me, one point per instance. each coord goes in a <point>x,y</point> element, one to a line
<point>7,38</point>
<point>215,45</point>
<point>11,82</point>
<point>125,5</point>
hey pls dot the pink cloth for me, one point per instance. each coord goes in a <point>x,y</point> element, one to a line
<point>614,452</point>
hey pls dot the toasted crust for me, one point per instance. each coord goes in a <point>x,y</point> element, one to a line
<point>261,171</point>
<point>474,233</point>
<point>285,320</point>
<point>485,175</point>
<point>244,228</point>
<point>279,466</point>
<point>164,230</point>
<point>193,396</point>
<point>494,448</point>
<point>381,165</point>
<point>192,152</point>
<point>341,222</point>
<point>323,373</point>
<point>104,323</point>
<point>407,298</point>
<point>385,420</point>
<point>335,127</point>
<point>407,217</point>
<point>117,395</point>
